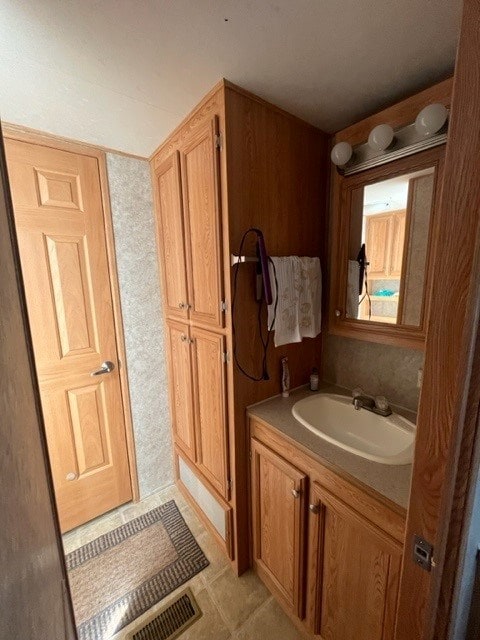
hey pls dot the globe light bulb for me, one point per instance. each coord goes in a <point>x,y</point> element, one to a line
<point>341,153</point>
<point>431,119</point>
<point>381,137</point>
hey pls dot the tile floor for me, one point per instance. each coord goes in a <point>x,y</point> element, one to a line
<point>233,608</point>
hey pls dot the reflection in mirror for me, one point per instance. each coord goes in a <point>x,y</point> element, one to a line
<point>388,242</point>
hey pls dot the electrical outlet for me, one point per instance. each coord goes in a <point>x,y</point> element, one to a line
<point>419,378</point>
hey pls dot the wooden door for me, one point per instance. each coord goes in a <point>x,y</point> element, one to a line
<point>397,244</point>
<point>33,591</point>
<point>59,219</point>
<point>203,231</point>
<point>170,237</point>
<point>208,368</point>
<point>355,570</point>
<point>377,244</point>
<point>278,515</point>
<point>181,395</point>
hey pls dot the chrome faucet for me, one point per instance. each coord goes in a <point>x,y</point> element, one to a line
<point>378,405</point>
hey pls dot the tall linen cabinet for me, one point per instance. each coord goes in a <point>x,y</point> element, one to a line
<point>235,162</point>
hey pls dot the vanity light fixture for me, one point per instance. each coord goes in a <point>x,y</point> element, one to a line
<point>381,137</point>
<point>341,154</point>
<point>386,144</point>
<point>431,119</point>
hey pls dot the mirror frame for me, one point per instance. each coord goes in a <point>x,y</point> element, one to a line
<point>342,187</point>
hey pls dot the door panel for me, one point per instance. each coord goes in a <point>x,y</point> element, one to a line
<point>199,160</point>
<point>181,397</point>
<point>278,508</point>
<point>210,410</point>
<point>355,573</point>
<point>170,237</point>
<point>378,245</point>
<point>59,218</point>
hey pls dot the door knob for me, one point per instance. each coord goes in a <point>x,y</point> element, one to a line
<point>295,493</point>
<point>105,367</point>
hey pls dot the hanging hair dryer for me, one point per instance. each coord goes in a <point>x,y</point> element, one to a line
<point>263,275</point>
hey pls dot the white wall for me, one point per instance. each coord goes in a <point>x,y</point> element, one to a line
<point>140,294</point>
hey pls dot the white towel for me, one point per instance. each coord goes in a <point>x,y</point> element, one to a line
<point>299,307</point>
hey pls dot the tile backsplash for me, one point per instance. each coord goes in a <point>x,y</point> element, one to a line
<point>379,369</point>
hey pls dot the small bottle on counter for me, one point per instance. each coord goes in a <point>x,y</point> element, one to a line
<point>285,378</point>
<point>314,379</point>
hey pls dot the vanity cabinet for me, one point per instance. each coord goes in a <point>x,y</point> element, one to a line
<point>278,517</point>
<point>354,572</point>
<point>329,550</point>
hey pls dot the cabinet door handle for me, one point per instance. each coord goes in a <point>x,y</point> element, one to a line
<point>295,493</point>
<point>314,508</point>
<point>184,305</point>
<point>185,338</point>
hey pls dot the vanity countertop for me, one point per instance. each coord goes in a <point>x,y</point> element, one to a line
<point>392,482</point>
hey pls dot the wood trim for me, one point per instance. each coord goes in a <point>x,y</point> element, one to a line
<point>342,189</point>
<point>119,331</point>
<point>91,151</point>
<point>35,136</point>
<point>447,420</point>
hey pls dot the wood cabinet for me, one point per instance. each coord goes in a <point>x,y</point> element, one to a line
<point>197,397</point>
<point>278,516</point>
<point>181,397</point>
<point>384,240</point>
<point>170,237</point>
<point>354,572</point>
<point>203,230</point>
<point>353,541</point>
<point>208,360</point>
<point>234,163</point>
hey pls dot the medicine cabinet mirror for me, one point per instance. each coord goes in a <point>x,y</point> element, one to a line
<point>384,237</point>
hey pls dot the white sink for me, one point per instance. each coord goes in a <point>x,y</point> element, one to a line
<point>333,418</point>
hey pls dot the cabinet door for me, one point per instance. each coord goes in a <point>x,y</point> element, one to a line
<point>181,400</point>
<point>200,180</point>
<point>170,237</point>
<point>377,245</point>
<point>354,575</point>
<point>210,407</point>
<point>278,515</point>
<point>397,244</point>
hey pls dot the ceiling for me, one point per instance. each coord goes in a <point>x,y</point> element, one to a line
<point>123,73</point>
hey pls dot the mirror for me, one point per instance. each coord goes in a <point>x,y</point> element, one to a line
<point>383,237</point>
<point>388,248</point>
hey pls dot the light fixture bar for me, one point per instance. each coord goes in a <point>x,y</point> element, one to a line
<point>407,141</point>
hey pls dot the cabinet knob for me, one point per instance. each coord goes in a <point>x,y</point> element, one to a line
<point>71,476</point>
<point>184,305</point>
<point>314,508</point>
<point>295,493</point>
<point>338,313</point>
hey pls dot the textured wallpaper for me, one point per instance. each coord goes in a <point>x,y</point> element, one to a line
<point>379,369</point>
<point>134,228</point>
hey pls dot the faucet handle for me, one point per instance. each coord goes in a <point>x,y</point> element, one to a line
<point>357,392</point>
<point>382,403</point>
